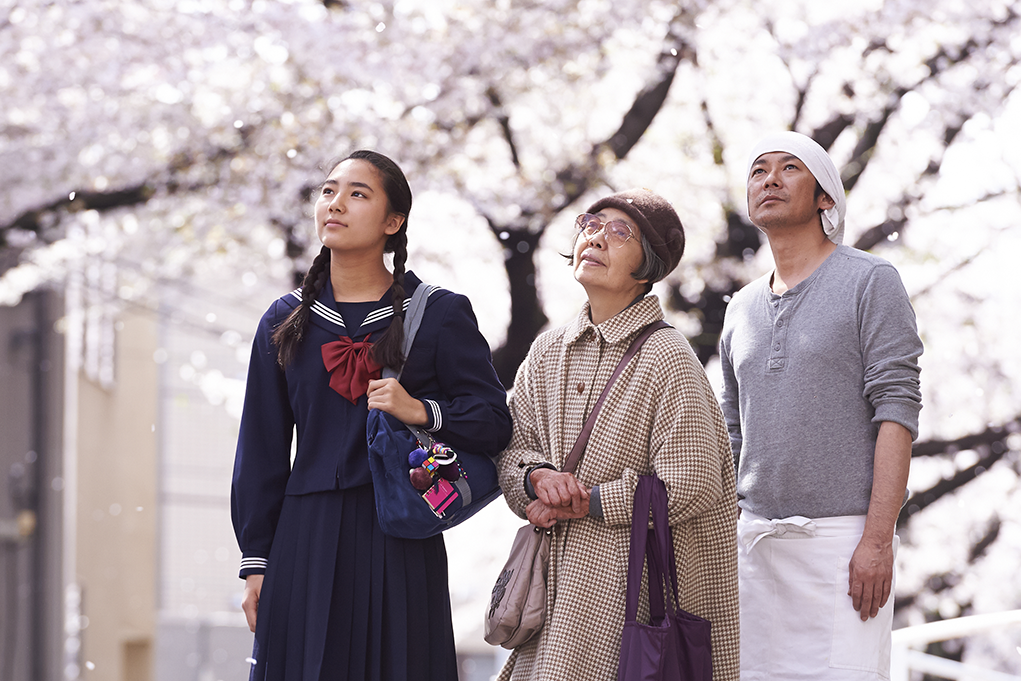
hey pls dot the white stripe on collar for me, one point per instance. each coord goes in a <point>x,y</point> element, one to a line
<point>332,316</point>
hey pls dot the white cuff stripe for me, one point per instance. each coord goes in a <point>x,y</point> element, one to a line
<point>437,416</point>
<point>250,563</point>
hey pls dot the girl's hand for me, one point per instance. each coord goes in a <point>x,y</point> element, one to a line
<point>250,599</point>
<point>387,394</point>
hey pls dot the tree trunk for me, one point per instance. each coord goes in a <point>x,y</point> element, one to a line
<point>527,316</point>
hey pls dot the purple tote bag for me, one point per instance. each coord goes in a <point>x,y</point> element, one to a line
<point>674,645</point>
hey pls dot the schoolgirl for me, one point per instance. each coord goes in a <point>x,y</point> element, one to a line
<point>328,595</point>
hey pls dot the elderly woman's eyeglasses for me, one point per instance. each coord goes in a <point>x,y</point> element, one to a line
<point>617,231</point>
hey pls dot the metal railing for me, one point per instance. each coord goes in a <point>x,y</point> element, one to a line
<point>906,658</point>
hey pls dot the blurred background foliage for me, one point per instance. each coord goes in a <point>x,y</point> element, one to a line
<point>178,142</point>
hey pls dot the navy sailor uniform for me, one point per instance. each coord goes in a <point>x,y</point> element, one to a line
<point>340,599</point>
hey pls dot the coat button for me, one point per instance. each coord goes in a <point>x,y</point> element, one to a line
<point>581,388</point>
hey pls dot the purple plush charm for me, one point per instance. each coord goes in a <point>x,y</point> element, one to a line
<point>416,457</point>
<point>450,471</point>
<point>425,463</point>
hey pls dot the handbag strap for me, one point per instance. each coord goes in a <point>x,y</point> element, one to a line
<point>650,496</point>
<point>412,321</point>
<point>636,554</point>
<point>662,563</point>
<point>590,422</point>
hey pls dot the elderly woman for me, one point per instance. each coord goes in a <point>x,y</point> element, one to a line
<point>661,417</point>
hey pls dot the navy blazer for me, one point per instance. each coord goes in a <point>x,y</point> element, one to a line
<point>449,368</point>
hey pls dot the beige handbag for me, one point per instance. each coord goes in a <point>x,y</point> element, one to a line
<point>517,607</point>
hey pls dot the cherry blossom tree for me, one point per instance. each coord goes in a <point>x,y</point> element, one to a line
<point>178,141</point>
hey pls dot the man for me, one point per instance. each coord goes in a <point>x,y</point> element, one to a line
<point>821,397</point>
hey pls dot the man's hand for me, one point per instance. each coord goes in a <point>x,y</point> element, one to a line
<point>870,572</point>
<point>387,394</point>
<point>870,577</point>
<point>250,599</point>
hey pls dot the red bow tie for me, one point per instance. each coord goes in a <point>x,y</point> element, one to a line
<point>351,367</point>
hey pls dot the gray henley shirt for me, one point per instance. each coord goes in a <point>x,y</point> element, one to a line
<point>809,375</point>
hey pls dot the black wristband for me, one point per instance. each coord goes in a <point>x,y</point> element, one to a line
<point>529,490</point>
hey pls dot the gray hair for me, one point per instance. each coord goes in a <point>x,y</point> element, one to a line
<point>652,268</point>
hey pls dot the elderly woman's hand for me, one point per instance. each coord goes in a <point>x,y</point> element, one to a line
<point>541,515</point>
<point>560,490</point>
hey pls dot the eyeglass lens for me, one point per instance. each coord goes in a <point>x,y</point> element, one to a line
<point>617,231</point>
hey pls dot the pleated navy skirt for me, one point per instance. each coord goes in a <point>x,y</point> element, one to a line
<point>342,600</point>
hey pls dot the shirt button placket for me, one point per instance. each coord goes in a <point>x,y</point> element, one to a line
<point>777,360</point>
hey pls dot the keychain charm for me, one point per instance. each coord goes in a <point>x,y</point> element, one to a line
<point>428,464</point>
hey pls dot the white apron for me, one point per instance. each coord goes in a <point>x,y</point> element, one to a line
<point>797,621</point>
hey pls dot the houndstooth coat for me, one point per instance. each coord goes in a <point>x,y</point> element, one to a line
<point>661,417</point>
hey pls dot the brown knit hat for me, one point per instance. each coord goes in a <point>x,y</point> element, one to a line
<point>656,219</point>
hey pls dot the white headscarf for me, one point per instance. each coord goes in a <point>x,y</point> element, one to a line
<point>820,165</point>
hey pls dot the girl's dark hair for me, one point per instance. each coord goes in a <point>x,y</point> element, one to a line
<point>387,350</point>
